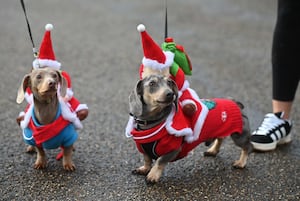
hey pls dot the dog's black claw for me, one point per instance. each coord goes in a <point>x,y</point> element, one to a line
<point>136,172</point>
<point>209,154</point>
<point>149,183</point>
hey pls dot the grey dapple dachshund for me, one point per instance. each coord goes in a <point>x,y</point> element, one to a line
<point>44,125</point>
<point>160,129</point>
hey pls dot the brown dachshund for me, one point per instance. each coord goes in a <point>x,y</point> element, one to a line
<point>163,133</point>
<point>46,108</point>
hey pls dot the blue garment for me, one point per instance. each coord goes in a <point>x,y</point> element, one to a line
<point>65,138</point>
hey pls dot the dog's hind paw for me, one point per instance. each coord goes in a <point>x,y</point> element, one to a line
<point>140,171</point>
<point>136,172</point>
<point>210,154</point>
<point>239,164</point>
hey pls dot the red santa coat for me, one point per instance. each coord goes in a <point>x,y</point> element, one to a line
<point>214,118</point>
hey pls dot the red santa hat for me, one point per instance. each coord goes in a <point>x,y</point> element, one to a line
<point>46,57</point>
<point>154,56</point>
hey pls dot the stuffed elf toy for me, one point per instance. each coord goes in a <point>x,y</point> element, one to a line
<point>171,61</point>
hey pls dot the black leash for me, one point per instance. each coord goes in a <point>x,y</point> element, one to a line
<point>166,20</point>
<point>35,53</point>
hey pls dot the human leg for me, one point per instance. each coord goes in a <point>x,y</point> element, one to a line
<point>276,126</point>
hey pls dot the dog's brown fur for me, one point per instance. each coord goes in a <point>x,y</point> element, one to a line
<point>147,71</point>
<point>148,101</point>
<point>43,83</point>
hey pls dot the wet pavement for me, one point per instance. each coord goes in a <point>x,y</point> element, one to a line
<point>229,45</point>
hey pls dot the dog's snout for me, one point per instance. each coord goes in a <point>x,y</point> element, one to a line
<point>51,83</point>
<point>169,96</point>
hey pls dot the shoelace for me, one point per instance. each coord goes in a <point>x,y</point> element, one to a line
<point>270,122</point>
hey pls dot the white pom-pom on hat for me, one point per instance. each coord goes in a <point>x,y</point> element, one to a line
<point>141,28</point>
<point>49,27</point>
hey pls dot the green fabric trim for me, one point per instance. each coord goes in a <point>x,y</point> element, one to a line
<point>174,69</point>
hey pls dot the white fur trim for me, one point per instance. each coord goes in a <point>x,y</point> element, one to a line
<point>159,66</point>
<point>129,127</point>
<point>188,101</point>
<point>21,114</point>
<point>40,63</point>
<point>28,98</point>
<point>200,120</point>
<point>81,107</point>
<point>69,93</point>
<point>66,113</point>
<point>151,134</point>
<point>69,115</point>
<point>173,131</point>
<point>185,86</point>
<point>27,117</point>
<point>167,124</point>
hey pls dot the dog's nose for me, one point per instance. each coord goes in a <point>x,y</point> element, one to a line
<point>51,83</point>
<point>169,96</point>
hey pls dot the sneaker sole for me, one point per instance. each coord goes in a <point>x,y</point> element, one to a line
<point>271,146</point>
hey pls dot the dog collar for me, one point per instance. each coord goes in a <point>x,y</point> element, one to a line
<point>145,122</point>
<point>154,121</point>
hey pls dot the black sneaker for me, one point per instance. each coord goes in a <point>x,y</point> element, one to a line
<point>272,131</point>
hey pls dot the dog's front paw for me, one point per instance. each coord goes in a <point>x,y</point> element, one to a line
<point>68,165</point>
<point>67,158</point>
<point>30,149</point>
<point>40,163</point>
<point>143,170</point>
<point>154,175</point>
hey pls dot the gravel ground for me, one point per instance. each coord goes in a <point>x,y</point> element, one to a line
<point>229,44</point>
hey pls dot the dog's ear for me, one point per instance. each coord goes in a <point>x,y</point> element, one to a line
<point>21,91</point>
<point>174,88</point>
<point>135,100</point>
<point>63,84</point>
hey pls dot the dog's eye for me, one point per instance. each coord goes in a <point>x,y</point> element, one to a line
<point>152,83</point>
<point>170,82</point>
<point>38,77</point>
<point>54,75</point>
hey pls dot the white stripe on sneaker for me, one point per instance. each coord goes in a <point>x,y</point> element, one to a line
<point>283,131</point>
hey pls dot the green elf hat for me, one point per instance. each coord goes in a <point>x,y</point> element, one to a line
<point>180,56</point>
